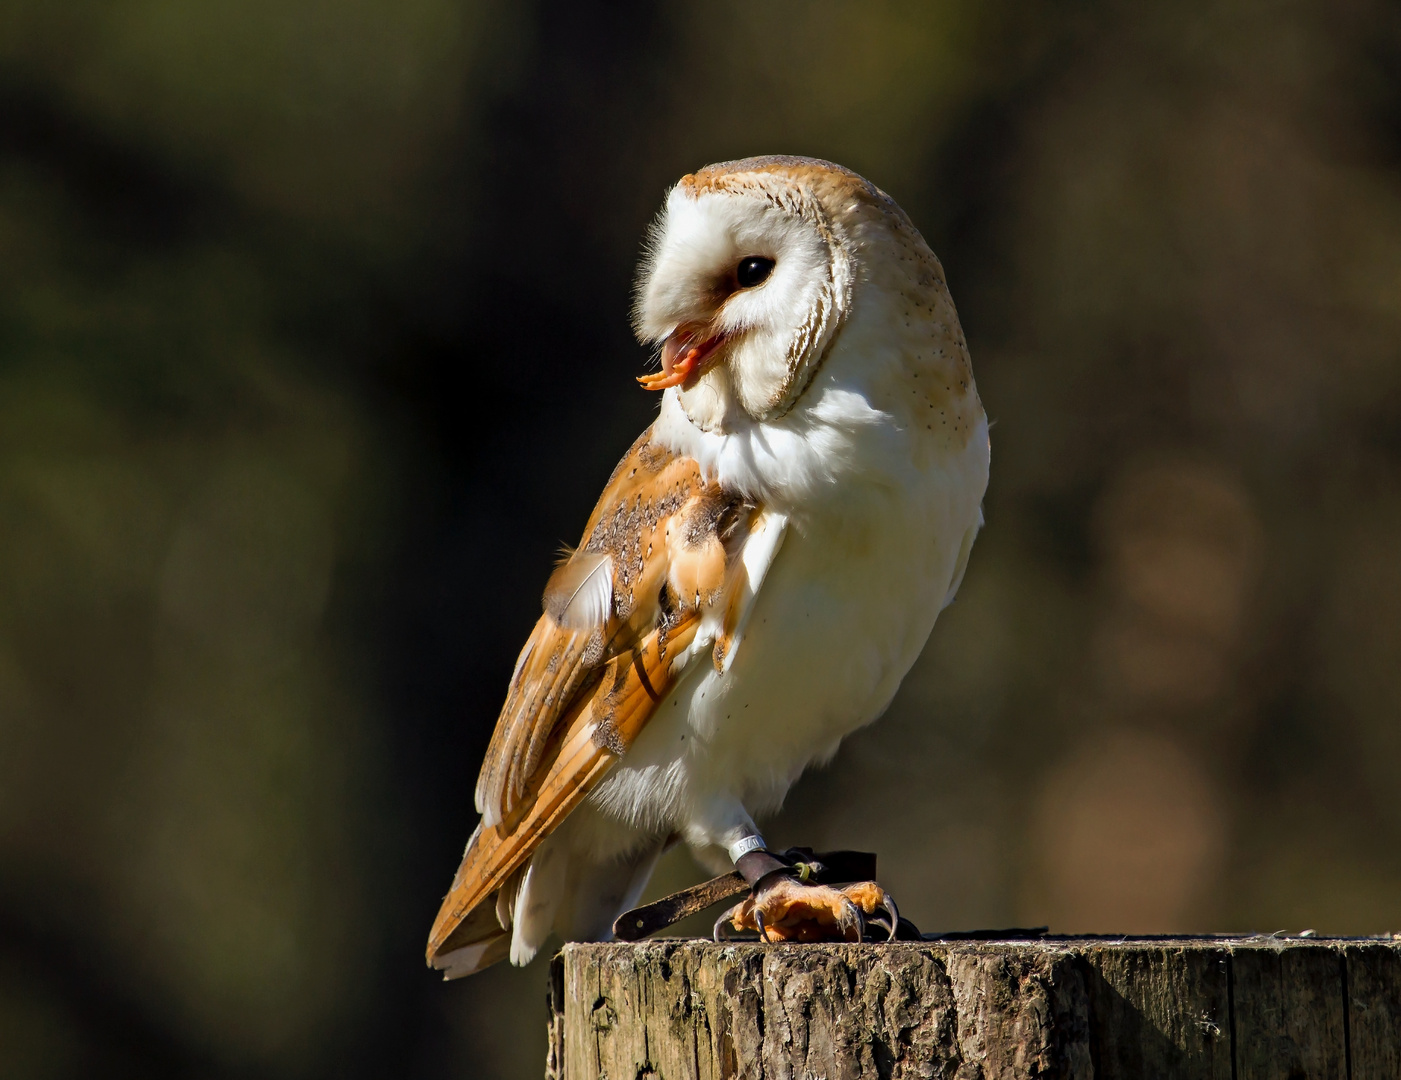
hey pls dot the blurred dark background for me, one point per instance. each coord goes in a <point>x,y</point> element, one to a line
<point>314,347</point>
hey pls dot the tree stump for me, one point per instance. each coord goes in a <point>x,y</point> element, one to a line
<point>1116,1009</point>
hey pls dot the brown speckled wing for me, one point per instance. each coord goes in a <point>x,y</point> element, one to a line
<point>598,662</point>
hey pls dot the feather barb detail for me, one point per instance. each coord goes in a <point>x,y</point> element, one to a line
<point>579,594</point>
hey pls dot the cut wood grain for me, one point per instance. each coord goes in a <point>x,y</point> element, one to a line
<point>1372,995</point>
<point>1114,1009</point>
<point>1289,1013</point>
<point>1159,1010</point>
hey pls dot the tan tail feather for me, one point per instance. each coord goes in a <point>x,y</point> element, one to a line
<point>464,960</point>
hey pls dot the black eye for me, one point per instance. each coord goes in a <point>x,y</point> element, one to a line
<point>753,270</point>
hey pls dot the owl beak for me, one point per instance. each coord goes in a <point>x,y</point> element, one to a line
<point>686,355</point>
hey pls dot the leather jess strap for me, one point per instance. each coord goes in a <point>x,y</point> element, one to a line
<point>826,868</point>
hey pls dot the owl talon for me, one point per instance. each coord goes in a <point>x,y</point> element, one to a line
<point>856,915</point>
<point>890,912</point>
<point>722,930</point>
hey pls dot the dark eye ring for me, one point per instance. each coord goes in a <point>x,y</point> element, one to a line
<point>753,270</point>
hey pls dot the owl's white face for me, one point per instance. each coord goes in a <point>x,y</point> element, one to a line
<point>742,288</point>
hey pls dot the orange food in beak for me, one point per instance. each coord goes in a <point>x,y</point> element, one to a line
<point>683,357</point>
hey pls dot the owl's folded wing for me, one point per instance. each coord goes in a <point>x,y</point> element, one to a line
<point>668,567</point>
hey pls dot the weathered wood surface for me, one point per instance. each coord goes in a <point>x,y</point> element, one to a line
<point>1220,1008</point>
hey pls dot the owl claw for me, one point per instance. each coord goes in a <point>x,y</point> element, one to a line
<point>889,916</point>
<point>888,902</point>
<point>722,931</point>
<point>856,915</point>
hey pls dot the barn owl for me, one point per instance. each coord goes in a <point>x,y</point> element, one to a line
<point>763,568</point>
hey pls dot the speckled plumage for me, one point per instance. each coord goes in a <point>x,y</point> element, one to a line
<point>779,544</point>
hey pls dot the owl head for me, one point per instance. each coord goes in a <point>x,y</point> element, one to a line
<point>747,279</point>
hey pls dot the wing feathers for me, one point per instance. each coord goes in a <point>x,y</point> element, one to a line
<point>599,729</point>
<point>599,602</point>
<point>665,554</point>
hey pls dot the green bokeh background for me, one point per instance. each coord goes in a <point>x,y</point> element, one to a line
<point>314,346</point>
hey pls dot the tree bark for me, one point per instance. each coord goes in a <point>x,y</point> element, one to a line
<point>1114,1009</point>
